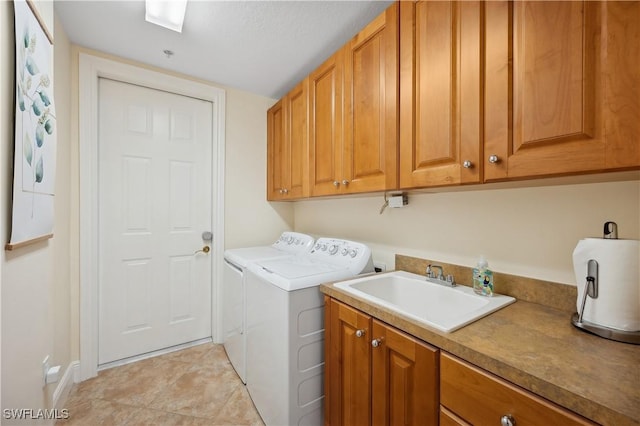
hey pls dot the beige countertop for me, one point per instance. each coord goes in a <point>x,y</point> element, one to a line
<point>536,347</point>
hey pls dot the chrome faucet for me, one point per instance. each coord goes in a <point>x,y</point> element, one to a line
<point>431,274</point>
<point>439,278</point>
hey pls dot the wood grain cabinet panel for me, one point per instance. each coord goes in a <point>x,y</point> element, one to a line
<point>478,398</point>
<point>553,89</point>
<point>325,126</point>
<point>394,382</point>
<point>287,146</point>
<point>348,366</point>
<point>405,379</point>
<point>353,138</point>
<point>276,152</point>
<point>371,106</point>
<point>440,92</point>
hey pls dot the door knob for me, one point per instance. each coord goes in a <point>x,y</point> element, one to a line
<point>205,250</point>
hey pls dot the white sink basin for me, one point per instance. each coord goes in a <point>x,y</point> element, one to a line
<point>435,305</point>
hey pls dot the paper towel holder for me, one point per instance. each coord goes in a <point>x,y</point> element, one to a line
<point>591,287</point>
<point>591,290</point>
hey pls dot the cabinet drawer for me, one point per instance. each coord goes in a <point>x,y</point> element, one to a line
<point>480,398</point>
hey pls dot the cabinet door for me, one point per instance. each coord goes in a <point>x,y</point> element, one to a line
<point>297,116</point>
<point>447,418</point>
<point>277,152</point>
<point>349,357</point>
<point>483,399</point>
<point>371,106</point>
<point>440,93</point>
<point>561,89</point>
<point>622,84</point>
<point>287,147</point>
<point>325,127</point>
<point>405,379</point>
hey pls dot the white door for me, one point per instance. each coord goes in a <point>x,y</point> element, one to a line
<point>154,201</point>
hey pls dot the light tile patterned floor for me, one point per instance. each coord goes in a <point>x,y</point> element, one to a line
<point>194,386</point>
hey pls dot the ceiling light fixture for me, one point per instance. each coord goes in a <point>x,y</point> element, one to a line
<point>166,13</point>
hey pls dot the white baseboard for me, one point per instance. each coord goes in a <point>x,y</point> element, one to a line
<point>71,376</point>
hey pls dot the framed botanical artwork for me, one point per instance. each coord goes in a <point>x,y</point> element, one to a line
<point>35,130</point>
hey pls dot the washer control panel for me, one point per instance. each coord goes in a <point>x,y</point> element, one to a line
<point>294,242</point>
<point>343,252</point>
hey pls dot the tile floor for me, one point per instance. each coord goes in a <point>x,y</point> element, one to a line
<point>194,386</point>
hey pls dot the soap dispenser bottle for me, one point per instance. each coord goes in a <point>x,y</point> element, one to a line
<point>483,278</point>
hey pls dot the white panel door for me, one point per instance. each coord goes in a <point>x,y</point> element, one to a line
<point>154,203</point>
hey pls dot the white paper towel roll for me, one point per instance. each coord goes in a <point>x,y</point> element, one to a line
<point>618,303</point>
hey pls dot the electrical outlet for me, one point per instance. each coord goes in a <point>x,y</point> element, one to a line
<point>379,266</point>
<point>45,370</point>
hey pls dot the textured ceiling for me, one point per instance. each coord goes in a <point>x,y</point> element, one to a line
<point>264,47</point>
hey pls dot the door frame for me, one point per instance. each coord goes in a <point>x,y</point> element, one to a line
<point>91,68</point>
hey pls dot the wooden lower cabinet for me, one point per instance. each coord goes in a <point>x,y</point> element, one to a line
<point>376,374</point>
<point>471,396</point>
<point>447,418</point>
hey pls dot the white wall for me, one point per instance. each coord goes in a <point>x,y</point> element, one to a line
<point>524,231</point>
<point>250,219</point>
<point>34,279</point>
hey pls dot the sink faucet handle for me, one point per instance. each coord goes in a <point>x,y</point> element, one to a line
<point>429,271</point>
<point>451,280</point>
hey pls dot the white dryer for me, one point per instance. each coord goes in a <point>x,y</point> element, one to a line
<point>285,329</point>
<point>234,294</point>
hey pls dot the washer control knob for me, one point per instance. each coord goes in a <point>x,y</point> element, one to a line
<point>344,252</point>
<point>323,247</point>
<point>353,253</point>
<point>333,249</point>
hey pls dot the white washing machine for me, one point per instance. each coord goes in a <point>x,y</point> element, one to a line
<point>285,329</point>
<point>234,294</point>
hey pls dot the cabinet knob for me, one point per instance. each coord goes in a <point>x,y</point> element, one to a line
<point>285,191</point>
<point>360,333</point>
<point>280,191</point>
<point>336,183</point>
<point>467,164</point>
<point>376,342</point>
<point>345,182</point>
<point>507,420</point>
<point>493,159</point>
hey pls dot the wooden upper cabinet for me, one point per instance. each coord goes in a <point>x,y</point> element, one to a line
<point>353,97</point>
<point>325,126</point>
<point>441,48</point>
<point>562,88</point>
<point>287,146</point>
<point>276,151</point>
